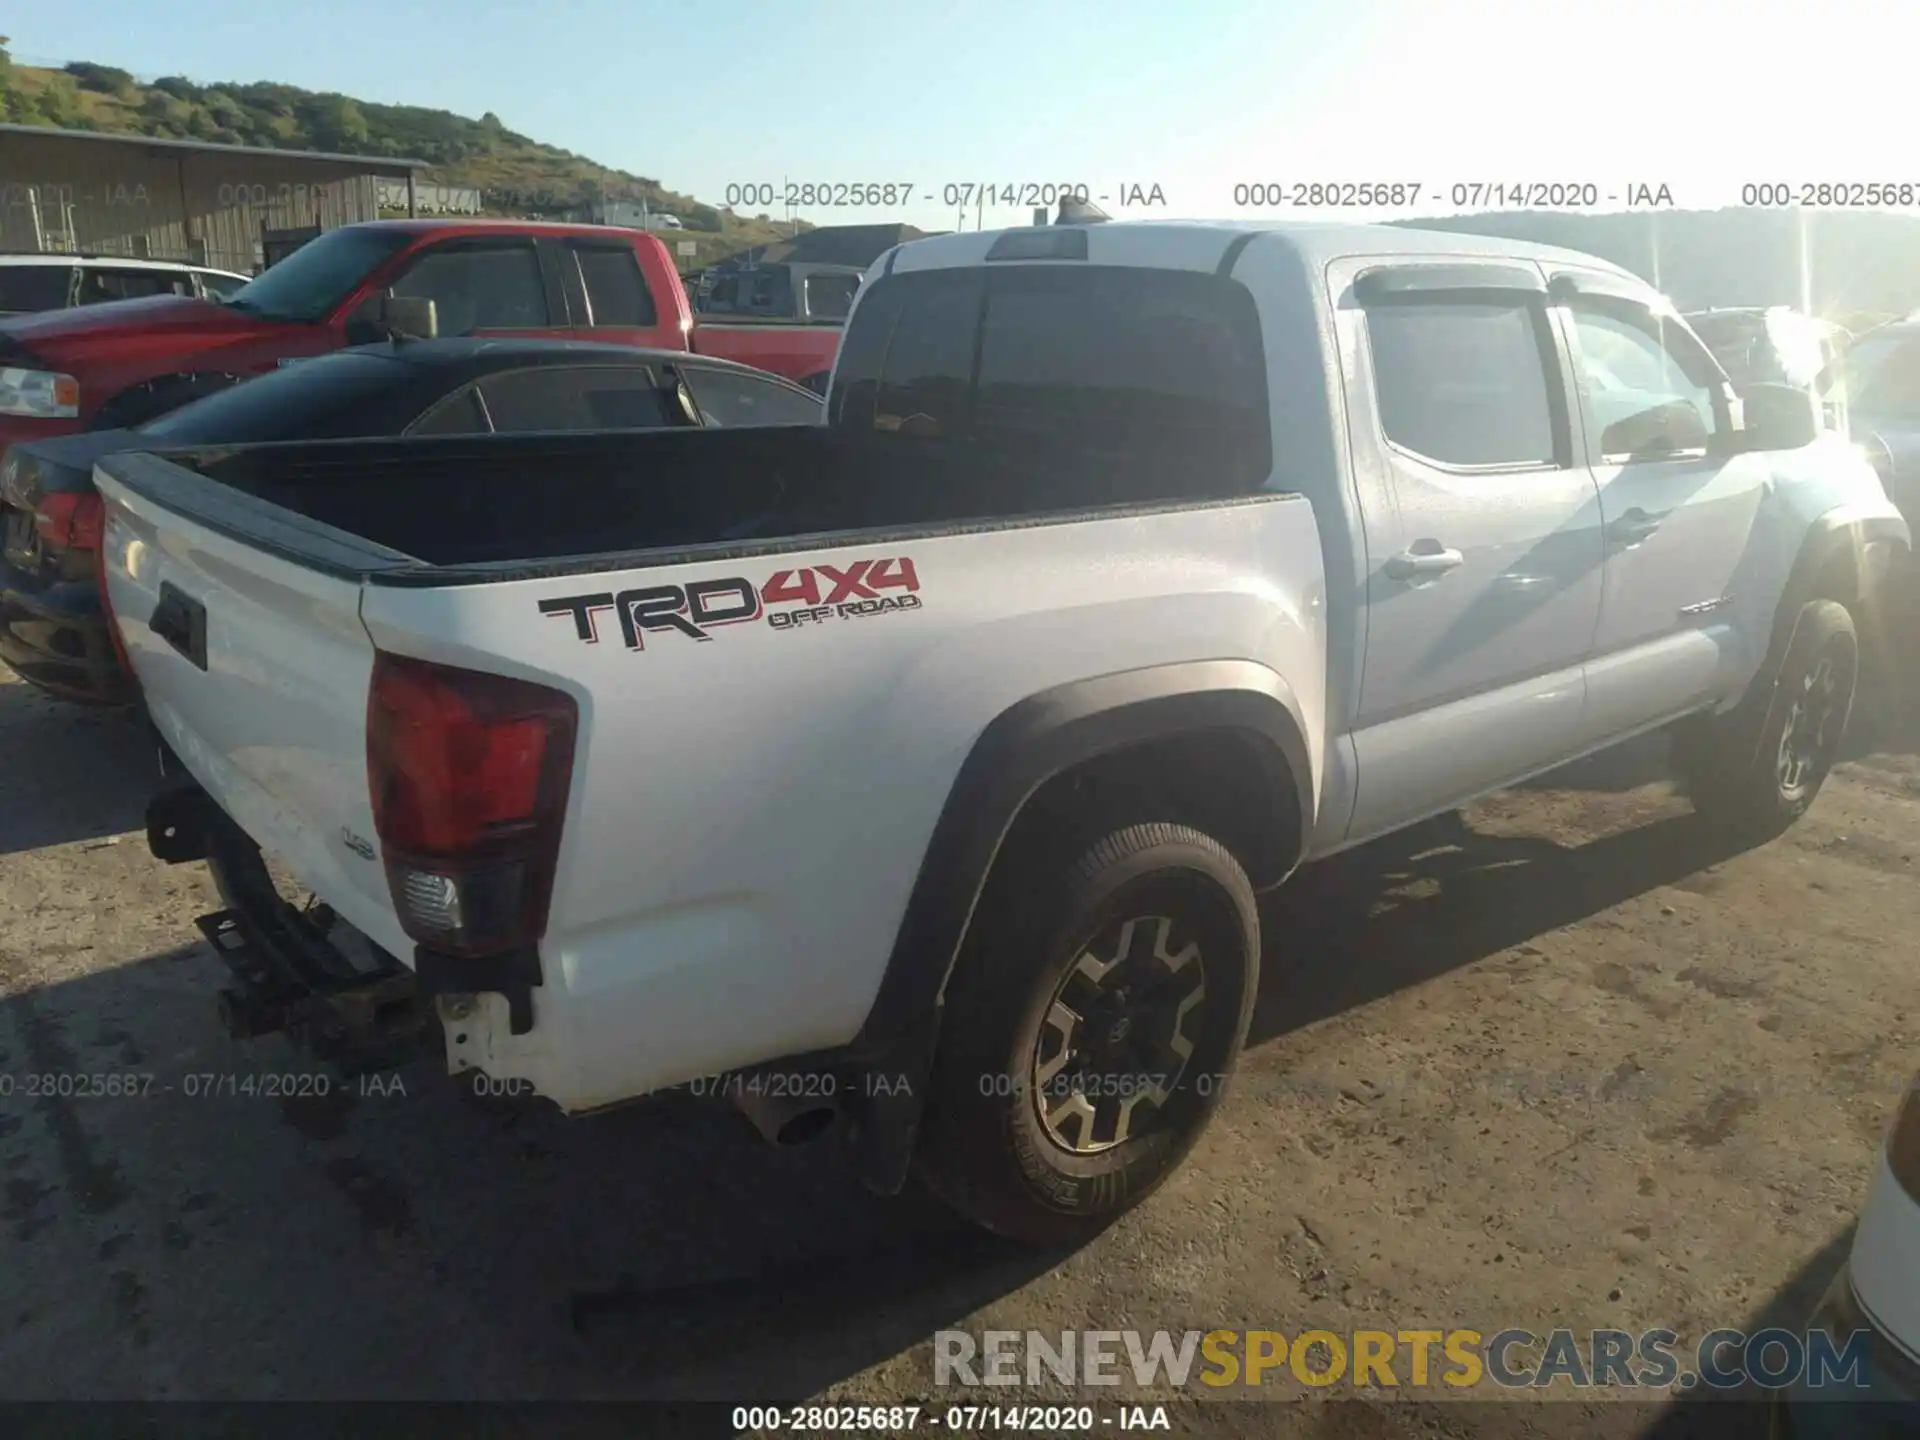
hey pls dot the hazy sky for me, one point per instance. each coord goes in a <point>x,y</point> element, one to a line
<point>1194,95</point>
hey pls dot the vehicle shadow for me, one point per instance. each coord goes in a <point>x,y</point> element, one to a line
<point>70,772</point>
<point>1741,1414</point>
<point>1638,762</point>
<point>1412,906</point>
<point>1885,723</point>
<point>418,1242</point>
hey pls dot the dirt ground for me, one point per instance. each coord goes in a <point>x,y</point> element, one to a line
<point>1560,1062</point>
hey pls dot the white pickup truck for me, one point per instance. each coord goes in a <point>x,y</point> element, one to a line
<point>1135,566</point>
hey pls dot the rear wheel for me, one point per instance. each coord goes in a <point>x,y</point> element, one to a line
<point>1761,787</point>
<point>1095,1014</point>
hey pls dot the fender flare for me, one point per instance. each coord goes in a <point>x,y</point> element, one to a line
<point>1041,737</point>
<point>1842,537</point>
<point>1019,751</point>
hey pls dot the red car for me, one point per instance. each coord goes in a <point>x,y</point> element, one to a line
<point>113,365</point>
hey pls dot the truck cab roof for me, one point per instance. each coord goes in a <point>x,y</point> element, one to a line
<point>1202,245</point>
<point>465,225</point>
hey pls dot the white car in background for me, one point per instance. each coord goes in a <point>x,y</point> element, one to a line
<point>32,283</point>
<point>1878,1290</point>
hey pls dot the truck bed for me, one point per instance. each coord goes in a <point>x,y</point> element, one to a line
<point>529,504</point>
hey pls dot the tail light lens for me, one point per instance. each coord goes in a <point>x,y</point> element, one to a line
<point>1903,1142</point>
<point>469,774</point>
<point>71,521</point>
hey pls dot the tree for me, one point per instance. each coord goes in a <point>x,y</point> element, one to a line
<point>224,109</point>
<point>60,102</point>
<point>336,123</point>
<point>101,79</point>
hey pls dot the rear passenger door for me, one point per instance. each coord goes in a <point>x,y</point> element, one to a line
<point>607,294</point>
<point>1677,503</point>
<point>1482,533</point>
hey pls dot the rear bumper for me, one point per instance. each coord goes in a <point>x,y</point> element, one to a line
<point>56,637</point>
<point>1888,1405</point>
<point>287,974</point>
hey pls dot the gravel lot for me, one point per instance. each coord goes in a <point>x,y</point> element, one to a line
<point>1558,1062</point>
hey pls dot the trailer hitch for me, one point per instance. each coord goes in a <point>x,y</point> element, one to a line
<point>373,1023</point>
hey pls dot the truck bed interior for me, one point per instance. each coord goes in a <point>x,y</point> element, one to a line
<point>500,499</point>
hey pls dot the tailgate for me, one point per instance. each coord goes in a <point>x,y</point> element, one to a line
<point>255,669</point>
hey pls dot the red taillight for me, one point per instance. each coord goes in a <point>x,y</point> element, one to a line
<point>74,522</point>
<point>469,775</point>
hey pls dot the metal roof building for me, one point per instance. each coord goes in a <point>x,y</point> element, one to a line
<point>87,192</point>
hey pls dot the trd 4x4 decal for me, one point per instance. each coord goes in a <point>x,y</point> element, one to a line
<point>812,595</point>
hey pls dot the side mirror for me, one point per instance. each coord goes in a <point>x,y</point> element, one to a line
<point>1778,417</point>
<point>393,317</point>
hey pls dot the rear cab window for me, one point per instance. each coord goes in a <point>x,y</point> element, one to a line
<point>830,297</point>
<point>721,297</point>
<point>770,294</point>
<point>1079,384</point>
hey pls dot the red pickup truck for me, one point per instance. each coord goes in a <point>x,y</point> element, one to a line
<point>107,366</point>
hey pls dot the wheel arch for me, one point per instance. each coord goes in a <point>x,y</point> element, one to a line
<point>1844,556</point>
<point>1032,744</point>
<point>1061,732</point>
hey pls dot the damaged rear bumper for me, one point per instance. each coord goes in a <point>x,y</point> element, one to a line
<point>356,1007</point>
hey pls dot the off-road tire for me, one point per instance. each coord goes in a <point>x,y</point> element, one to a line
<point>1740,780</point>
<point>984,1148</point>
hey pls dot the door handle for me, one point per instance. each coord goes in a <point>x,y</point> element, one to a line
<point>1416,564</point>
<point>1633,527</point>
